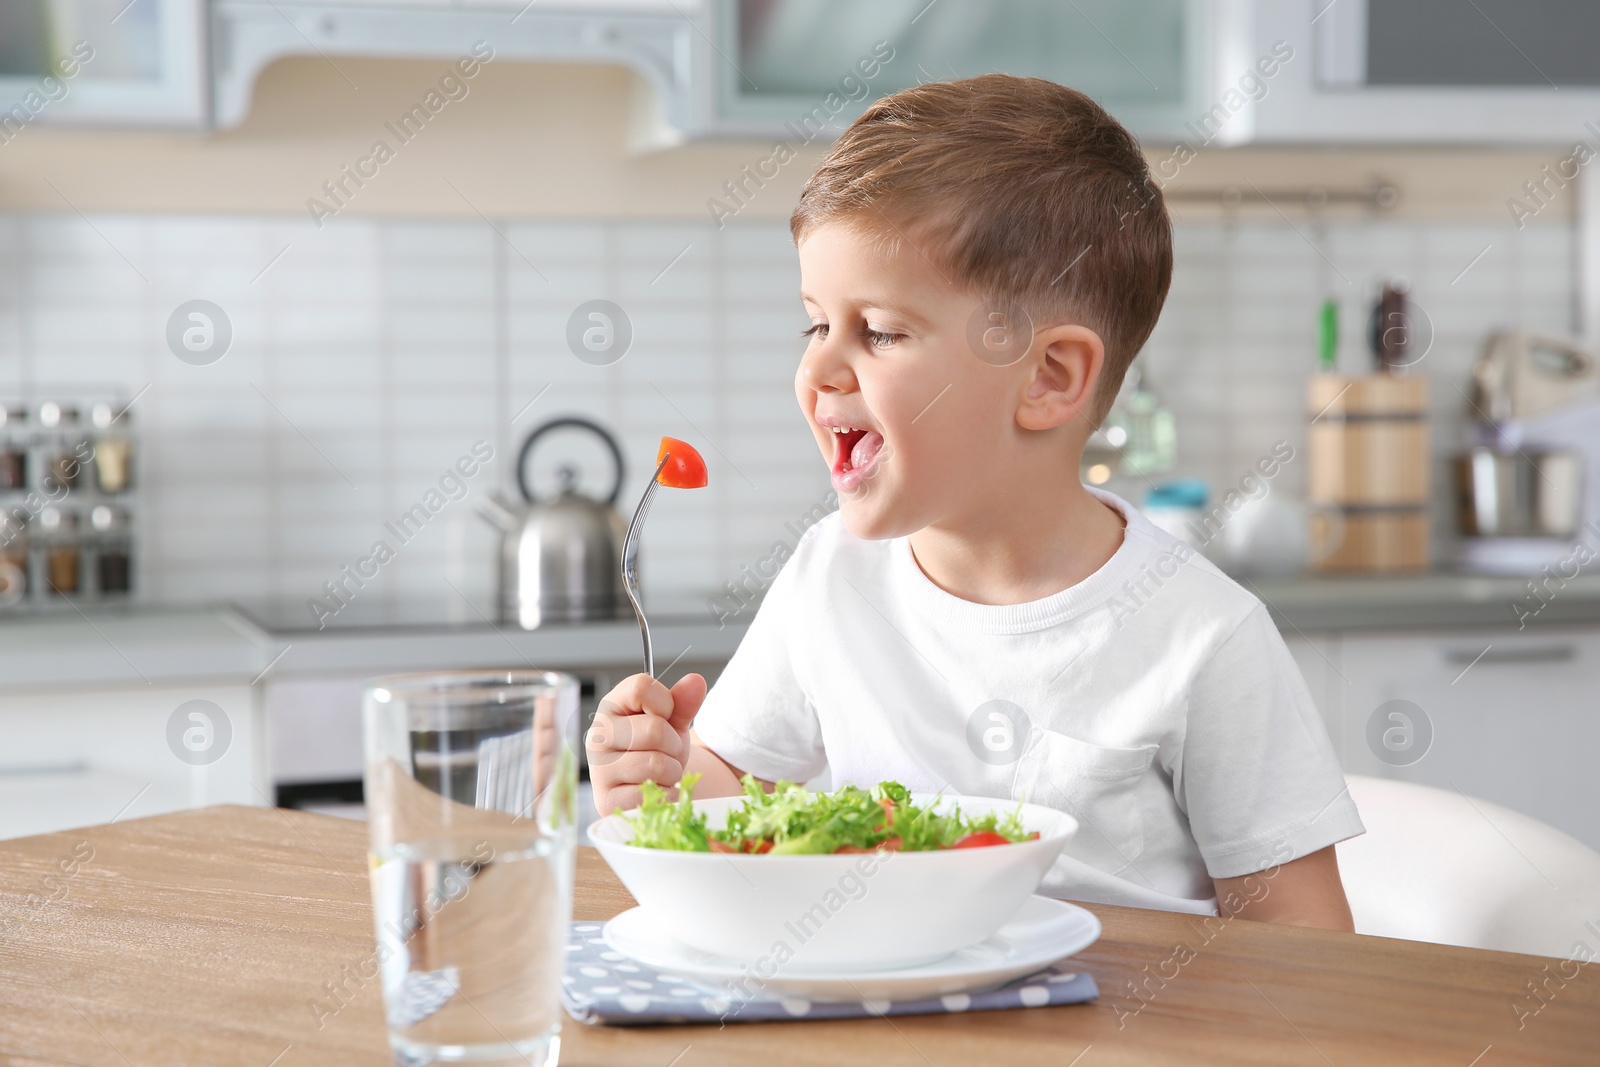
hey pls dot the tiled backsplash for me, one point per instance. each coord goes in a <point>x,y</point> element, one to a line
<point>369,356</point>
<point>1238,337</point>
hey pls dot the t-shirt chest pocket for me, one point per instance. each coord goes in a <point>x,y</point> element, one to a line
<point>1097,785</point>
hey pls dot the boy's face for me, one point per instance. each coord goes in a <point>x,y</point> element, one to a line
<point>932,429</point>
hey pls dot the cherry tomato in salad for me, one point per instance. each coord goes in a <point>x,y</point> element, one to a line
<point>685,468</point>
<point>748,846</point>
<point>888,812</point>
<point>981,839</point>
<point>891,845</point>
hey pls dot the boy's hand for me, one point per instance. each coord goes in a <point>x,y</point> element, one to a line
<point>641,733</point>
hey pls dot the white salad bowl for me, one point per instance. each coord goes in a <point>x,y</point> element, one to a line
<point>878,910</point>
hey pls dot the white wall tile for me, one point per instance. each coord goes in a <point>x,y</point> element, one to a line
<point>393,345</point>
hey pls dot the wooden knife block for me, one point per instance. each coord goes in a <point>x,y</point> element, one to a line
<point>1367,449</point>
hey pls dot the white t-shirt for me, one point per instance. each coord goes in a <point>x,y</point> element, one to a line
<point>1154,701</point>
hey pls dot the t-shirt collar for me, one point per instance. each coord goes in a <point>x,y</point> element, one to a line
<point>1090,593</point>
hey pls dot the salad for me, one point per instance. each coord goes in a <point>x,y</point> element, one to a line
<point>792,820</point>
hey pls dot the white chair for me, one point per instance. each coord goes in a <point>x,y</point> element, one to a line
<point>1437,866</point>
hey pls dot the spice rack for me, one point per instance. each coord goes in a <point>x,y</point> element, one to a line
<point>67,499</point>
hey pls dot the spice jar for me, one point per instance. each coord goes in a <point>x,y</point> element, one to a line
<point>63,461</point>
<point>13,447</point>
<point>113,451</point>
<point>13,558</point>
<point>113,550</point>
<point>63,557</point>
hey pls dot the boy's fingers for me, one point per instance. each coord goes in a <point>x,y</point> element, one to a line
<point>622,798</point>
<point>619,727</point>
<point>635,694</point>
<point>608,737</point>
<point>612,734</point>
<point>626,798</point>
<point>631,768</point>
<point>687,696</point>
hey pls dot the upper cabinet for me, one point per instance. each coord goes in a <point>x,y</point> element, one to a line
<point>1441,71</point>
<point>1175,71</point>
<point>769,68</point>
<point>654,37</point>
<point>788,67</point>
<point>102,61</point>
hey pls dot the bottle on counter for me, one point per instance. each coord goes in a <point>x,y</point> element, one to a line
<point>113,550</point>
<point>62,550</point>
<point>113,449</point>
<point>1148,441</point>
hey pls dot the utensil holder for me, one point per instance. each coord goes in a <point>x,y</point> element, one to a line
<point>1368,482</point>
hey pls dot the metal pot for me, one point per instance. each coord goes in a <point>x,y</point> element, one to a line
<point>560,559</point>
<point>1518,494</point>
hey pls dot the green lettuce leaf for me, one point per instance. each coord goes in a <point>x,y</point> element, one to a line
<point>798,822</point>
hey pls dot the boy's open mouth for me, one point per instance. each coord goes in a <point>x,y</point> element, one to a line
<point>855,451</point>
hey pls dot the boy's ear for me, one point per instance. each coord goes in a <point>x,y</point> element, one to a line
<point>1065,372</point>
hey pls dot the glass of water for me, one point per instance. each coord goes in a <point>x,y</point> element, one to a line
<point>471,793</point>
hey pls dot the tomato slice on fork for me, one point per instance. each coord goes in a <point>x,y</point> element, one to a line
<point>685,468</point>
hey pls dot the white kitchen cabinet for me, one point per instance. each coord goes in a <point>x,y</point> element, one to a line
<point>788,68</point>
<point>652,37</point>
<point>1427,71</point>
<point>1514,716</point>
<point>76,757</point>
<point>102,62</point>
<point>1200,72</point>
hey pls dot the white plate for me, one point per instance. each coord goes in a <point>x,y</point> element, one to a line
<point>1042,931</point>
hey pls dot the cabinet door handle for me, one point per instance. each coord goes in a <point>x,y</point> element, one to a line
<point>17,771</point>
<point>1535,654</point>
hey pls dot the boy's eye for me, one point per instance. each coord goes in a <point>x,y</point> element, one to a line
<point>818,329</point>
<point>880,338</point>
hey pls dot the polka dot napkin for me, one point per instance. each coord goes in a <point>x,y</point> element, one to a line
<point>604,986</point>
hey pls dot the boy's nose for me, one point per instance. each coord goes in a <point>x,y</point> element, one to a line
<point>824,369</point>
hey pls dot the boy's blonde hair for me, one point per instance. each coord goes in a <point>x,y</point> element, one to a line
<point>1019,189</point>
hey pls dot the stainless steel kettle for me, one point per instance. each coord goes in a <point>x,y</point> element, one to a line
<point>560,558</point>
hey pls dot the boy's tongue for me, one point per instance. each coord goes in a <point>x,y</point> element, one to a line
<point>866,450</point>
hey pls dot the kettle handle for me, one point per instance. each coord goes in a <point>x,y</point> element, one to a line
<point>571,422</point>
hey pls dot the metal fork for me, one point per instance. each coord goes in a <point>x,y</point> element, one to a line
<point>505,773</point>
<point>630,563</point>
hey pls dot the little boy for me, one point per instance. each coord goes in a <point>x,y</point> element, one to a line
<point>981,261</point>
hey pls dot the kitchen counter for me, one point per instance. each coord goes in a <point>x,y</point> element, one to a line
<point>212,936</point>
<point>125,645</point>
<point>1424,601</point>
<point>139,645</point>
<point>442,646</point>
<point>136,644</point>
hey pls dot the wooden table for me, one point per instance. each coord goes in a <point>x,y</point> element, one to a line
<point>208,937</point>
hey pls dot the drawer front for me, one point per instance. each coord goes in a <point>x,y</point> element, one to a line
<point>1513,717</point>
<point>81,757</point>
